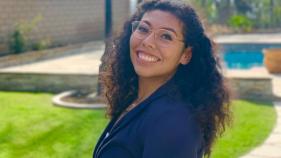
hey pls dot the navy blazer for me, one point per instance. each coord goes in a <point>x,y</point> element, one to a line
<point>161,126</point>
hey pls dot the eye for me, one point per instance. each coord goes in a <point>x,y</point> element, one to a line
<point>166,36</point>
<point>142,29</point>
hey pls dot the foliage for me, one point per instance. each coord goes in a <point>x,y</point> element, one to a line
<point>277,16</point>
<point>241,22</point>
<point>207,8</point>
<point>257,14</point>
<point>19,40</point>
<point>42,44</point>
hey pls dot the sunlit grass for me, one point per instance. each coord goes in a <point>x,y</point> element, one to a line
<point>31,127</point>
<point>252,124</point>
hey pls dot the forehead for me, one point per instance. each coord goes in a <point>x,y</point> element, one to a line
<point>158,19</point>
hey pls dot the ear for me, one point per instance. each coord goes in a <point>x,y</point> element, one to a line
<point>186,56</point>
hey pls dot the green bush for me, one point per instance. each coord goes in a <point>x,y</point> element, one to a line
<point>18,42</point>
<point>241,23</point>
<point>43,44</point>
<point>277,16</point>
<point>19,38</point>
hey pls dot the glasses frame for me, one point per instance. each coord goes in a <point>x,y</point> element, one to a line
<point>135,24</point>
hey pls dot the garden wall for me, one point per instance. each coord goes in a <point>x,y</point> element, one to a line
<point>53,83</point>
<point>259,89</point>
<point>62,21</point>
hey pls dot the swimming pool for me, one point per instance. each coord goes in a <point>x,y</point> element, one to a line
<point>244,56</point>
<point>242,59</point>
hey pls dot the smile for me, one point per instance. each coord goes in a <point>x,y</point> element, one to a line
<point>147,58</point>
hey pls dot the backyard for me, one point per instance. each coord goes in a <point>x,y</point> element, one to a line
<point>60,48</point>
<point>32,127</point>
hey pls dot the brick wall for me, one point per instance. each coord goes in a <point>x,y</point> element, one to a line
<point>118,20</point>
<point>63,21</point>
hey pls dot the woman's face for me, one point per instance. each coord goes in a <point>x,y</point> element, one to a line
<point>156,45</point>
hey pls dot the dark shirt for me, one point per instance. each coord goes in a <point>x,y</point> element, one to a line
<point>162,126</point>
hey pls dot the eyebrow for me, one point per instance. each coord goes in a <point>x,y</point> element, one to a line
<point>166,28</point>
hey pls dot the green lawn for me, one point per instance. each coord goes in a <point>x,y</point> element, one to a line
<point>31,127</point>
<point>252,123</point>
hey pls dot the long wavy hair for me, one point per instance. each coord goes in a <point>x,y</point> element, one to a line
<point>201,80</point>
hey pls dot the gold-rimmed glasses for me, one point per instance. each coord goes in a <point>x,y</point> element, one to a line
<point>163,37</point>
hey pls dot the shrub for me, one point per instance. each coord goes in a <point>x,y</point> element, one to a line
<point>42,44</point>
<point>241,23</point>
<point>18,42</point>
<point>19,39</point>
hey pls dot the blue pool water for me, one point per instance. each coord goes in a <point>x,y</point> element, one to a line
<point>242,59</point>
<point>244,55</point>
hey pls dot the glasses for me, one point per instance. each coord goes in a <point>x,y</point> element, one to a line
<point>163,37</point>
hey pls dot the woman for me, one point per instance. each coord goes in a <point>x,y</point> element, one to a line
<point>162,81</point>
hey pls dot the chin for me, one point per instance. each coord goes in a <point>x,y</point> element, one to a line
<point>144,73</point>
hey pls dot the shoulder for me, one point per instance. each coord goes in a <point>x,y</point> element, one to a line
<point>171,127</point>
<point>170,113</point>
<point>168,106</point>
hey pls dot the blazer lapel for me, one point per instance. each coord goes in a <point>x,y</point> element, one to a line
<point>102,137</point>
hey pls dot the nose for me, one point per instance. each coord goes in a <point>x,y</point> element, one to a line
<point>149,41</point>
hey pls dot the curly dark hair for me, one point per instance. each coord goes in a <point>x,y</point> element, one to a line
<point>201,80</point>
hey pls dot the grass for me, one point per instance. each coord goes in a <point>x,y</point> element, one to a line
<point>252,124</point>
<point>30,127</point>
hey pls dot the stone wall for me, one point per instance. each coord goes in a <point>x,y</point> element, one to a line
<point>63,21</point>
<point>259,89</point>
<point>53,83</point>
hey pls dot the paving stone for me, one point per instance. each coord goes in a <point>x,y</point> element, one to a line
<point>251,38</point>
<point>265,151</point>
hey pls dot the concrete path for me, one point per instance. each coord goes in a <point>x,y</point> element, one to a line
<point>87,61</point>
<point>83,63</point>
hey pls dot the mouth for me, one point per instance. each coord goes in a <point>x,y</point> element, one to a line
<point>147,57</point>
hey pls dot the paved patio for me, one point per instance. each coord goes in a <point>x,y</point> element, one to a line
<point>86,61</point>
<point>250,38</point>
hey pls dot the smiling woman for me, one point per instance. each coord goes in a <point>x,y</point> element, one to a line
<point>161,79</point>
<point>167,37</point>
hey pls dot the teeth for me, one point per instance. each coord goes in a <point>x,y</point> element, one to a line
<point>147,57</point>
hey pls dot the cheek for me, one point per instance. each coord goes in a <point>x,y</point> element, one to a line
<point>134,43</point>
<point>170,53</point>
<point>133,46</point>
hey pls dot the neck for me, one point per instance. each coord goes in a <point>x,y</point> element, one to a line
<point>148,85</point>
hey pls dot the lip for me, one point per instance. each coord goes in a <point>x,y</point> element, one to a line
<point>143,62</point>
